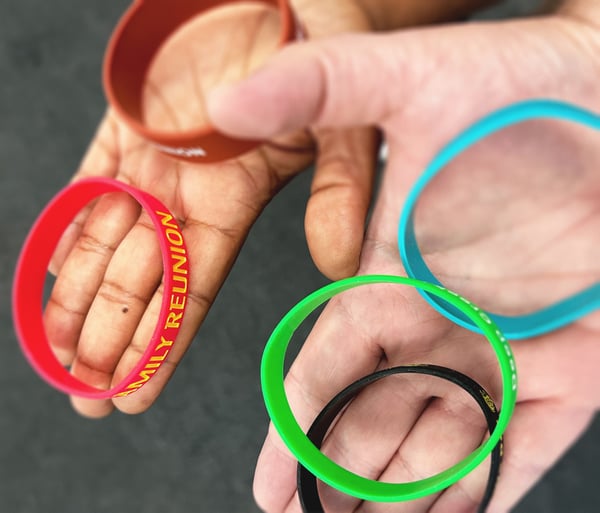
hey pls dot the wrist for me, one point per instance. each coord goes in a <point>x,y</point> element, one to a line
<point>393,14</point>
<point>585,11</point>
<point>581,20</point>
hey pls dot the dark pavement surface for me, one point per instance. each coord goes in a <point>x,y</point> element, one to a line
<point>195,450</point>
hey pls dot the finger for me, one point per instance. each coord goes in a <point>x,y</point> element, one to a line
<point>340,197</point>
<point>447,431</point>
<point>115,312</point>
<point>369,432</point>
<point>404,429</point>
<point>401,80</point>
<point>294,505</point>
<point>214,232</point>
<point>274,486</point>
<point>82,271</point>
<point>111,354</point>
<point>360,80</point>
<point>545,356</point>
<point>213,250</point>
<point>320,83</point>
<point>334,355</point>
<point>101,159</point>
<point>539,433</point>
<point>370,435</point>
<point>466,495</point>
<point>535,447</point>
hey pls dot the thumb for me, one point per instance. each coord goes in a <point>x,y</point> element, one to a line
<point>376,79</point>
<point>340,81</point>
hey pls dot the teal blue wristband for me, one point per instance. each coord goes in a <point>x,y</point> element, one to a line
<point>542,321</point>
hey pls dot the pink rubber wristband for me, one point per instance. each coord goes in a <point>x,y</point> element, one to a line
<point>31,272</point>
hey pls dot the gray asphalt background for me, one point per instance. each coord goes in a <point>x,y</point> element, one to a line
<point>195,450</point>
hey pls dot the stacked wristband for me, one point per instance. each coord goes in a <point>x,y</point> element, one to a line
<point>330,472</point>
<point>307,483</point>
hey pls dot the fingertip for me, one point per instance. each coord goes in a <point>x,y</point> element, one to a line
<point>334,233</point>
<point>340,196</point>
<point>275,477</point>
<point>94,377</point>
<point>134,404</point>
<point>335,264</point>
<point>54,266</point>
<point>281,97</point>
<point>92,408</point>
<point>229,110</point>
<point>260,484</point>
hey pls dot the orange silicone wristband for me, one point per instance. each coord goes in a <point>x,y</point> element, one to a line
<point>144,27</point>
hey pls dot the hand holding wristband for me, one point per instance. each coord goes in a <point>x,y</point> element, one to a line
<point>308,492</point>
<point>330,472</point>
<point>514,327</point>
<point>31,273</point>
<point>146,25</point>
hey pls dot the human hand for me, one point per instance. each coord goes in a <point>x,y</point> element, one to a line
<point>107,292</point>
<point>497,226</point>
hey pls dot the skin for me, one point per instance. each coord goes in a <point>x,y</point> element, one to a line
<point>391,14</point>
<point>512,224</point>
<point>101,311</point>
<point>216,205</point>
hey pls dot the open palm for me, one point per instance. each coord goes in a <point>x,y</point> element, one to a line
<point>107,292</point>
<point>512,224</point>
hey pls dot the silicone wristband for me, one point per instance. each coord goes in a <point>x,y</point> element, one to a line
<point>145,26</point>
<point>542,321</point>
<point>308,492</point>
<point>330,472</point>
<point>31,272</point>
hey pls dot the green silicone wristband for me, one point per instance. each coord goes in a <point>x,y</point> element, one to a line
<point>328,471</point>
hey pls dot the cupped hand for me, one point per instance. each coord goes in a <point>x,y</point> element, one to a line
<point>512,224</point>
<point>107,293</point>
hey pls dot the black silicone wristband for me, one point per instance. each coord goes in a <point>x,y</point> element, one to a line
<point>307,482</point>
